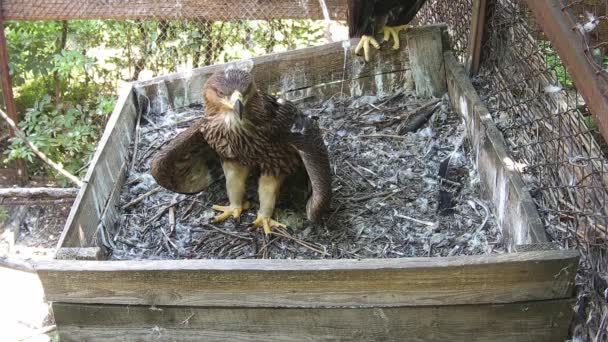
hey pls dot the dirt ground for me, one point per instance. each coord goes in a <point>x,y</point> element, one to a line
<point>24,314</point>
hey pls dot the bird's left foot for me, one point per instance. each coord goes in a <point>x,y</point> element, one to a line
<point>230,211</point>
<point>393,31</point>
<point>266,223</point>
<point>364,44</point>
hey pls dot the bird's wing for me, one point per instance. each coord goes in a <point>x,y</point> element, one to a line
<point>404,12</point>
<point>185,164</point>
<point>306,137</point>
<point>360,17</point>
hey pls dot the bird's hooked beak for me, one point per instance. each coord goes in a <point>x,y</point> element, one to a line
<point>236,100</point>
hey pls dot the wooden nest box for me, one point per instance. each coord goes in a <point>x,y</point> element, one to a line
<point>522,295</point>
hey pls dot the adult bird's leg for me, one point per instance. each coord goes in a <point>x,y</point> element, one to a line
<point>393,31</point>
<point>236,178</point>
<point>268,190</point>
<point>364,44</point>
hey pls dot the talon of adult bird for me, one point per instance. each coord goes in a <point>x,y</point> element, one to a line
<point>364,44</point>
<point>393,31</point>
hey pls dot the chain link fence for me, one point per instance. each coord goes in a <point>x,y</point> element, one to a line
<point>67,58</point>
<point>552,136</point>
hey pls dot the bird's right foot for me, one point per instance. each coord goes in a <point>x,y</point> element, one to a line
<point>230,211</point>
<point>364,44</point>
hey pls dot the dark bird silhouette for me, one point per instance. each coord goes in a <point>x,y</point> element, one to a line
<point>249,131</point>
<point>367,18</point>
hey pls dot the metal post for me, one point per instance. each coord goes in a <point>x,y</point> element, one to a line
<point>7,91</point>
<point>591,82</point>
<point>476,36</point>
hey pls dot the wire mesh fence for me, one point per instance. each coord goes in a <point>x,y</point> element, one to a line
<point>552,136</point>
<point>456,14</point>
<point>73,64</point>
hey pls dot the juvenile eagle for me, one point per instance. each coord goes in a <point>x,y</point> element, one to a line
<point>366,18</point>
<point>249,131</point>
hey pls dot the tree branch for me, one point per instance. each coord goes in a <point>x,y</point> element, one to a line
<point>41,155</point>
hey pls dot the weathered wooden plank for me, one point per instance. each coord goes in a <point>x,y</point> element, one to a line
<point>314,283</point>
<point>426,54</point>
<point>532,321</point>
<point>76,253</point>
<point>177,9</point>
<point>279,73</point>
<point>502,185</point>
<point>81,226</point>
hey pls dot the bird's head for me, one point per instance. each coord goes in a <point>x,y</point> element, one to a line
<point>230,91</point>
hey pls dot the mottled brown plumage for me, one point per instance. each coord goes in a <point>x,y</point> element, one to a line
<point>249,131</point>
<point>258,140</point>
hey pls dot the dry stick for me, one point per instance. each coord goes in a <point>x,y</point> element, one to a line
<point>39,193</point>
<point>360,174</point>
<point>136,143</point>
<point>485,220</point>
<point>41,155</point>
<point>172,221</point>
<point>382,104</point>
<point>221,231</point>
<point>391,136</point>
<point>141,198</point>
<point>286,235</point>
<point>406,115</point>
<point>426,223</point>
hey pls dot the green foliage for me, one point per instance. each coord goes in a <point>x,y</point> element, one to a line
<point>555,64</point>
<point>66,74</point>
<point>3,214</point>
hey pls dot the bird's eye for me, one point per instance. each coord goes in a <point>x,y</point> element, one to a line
<point>221,93</point>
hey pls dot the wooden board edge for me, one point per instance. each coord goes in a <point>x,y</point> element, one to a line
<point>518,217</point>
<point>530,321</point>
<point>124,94</point>
<point>294,265</point>
<point>539,275</point>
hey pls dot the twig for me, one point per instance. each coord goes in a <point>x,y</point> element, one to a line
<point>141,198</point>
<point>221,231</point>
<point>426,223</point>
<point>136,143</point>
<point>172,221</point>
<point>282,233</point>
<point>485,220</point>
<point>41,155</point>
<point>39,193</point>
<point>383,136</point>
<point>361,174</point>
<point>381,194</point>
<point>380,105</point>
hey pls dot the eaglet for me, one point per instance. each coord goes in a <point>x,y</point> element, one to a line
<point>249,131</point>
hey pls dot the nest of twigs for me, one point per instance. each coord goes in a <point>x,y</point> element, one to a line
<point>386,155</point>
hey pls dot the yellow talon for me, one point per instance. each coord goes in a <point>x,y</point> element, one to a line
<point>229,211</point>
<point>364,44</point>
<point>393,31</point>
<point>266,223</point>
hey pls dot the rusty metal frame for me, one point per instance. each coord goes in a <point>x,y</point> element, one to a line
<point>559,27</point>
<point>476,36</point>
<point>7,92</point>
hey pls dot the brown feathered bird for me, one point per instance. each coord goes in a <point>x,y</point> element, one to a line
<point>367,18</point>
<point>249,131</point>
